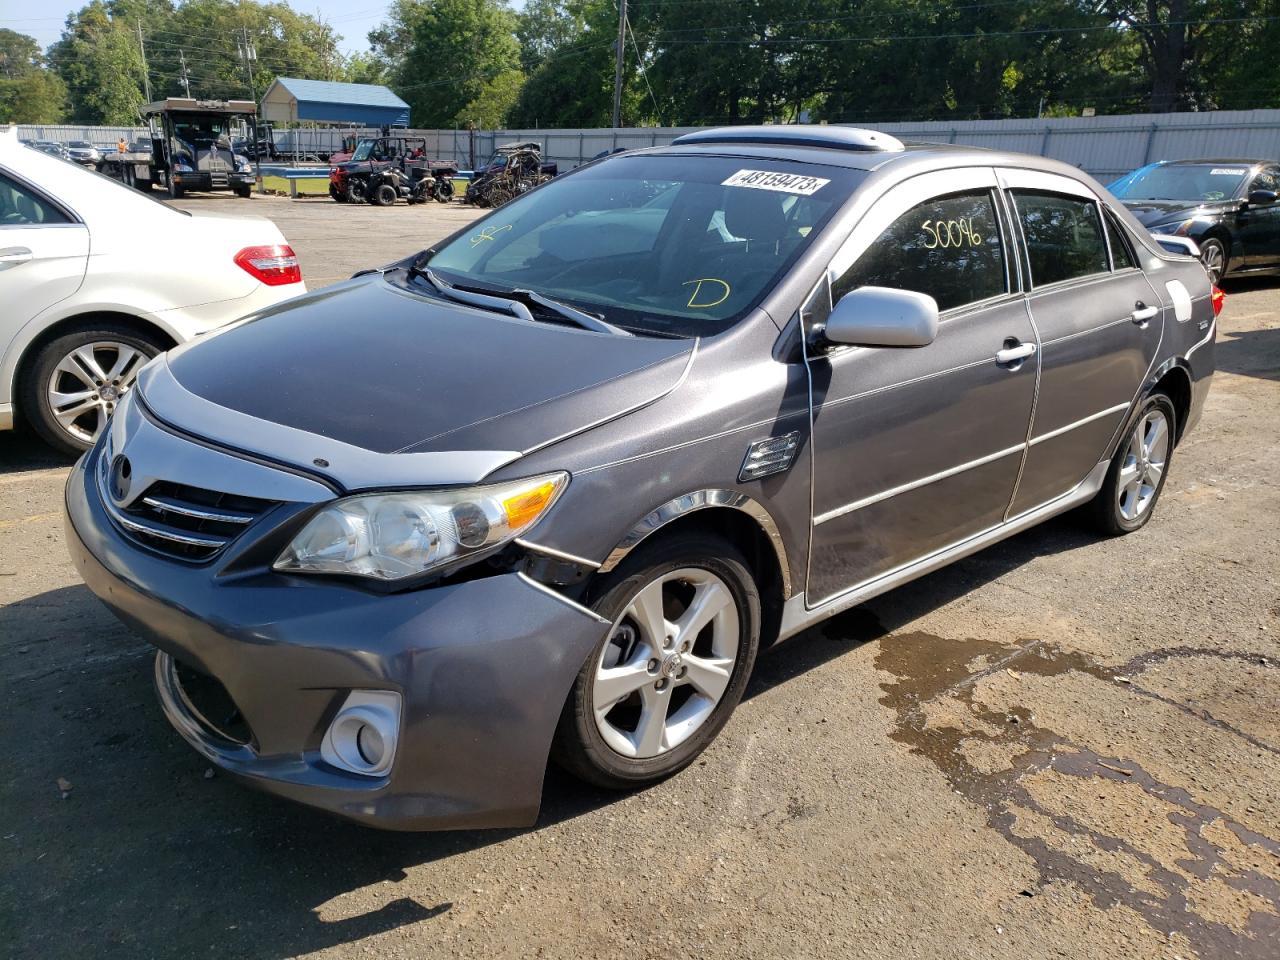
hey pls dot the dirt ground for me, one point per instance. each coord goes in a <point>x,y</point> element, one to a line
<point>1062,747</point>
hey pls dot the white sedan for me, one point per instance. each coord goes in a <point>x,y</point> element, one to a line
<point>97,278</point>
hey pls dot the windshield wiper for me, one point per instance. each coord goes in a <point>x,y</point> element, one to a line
<point>509,305</point>
<point>581,318</point>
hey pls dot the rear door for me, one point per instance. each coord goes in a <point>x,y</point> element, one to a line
<point>1099,323</point>
<point>916,449</point>
<point>43,255</point>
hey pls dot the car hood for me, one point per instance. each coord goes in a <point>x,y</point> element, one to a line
<point>370,374</point>
<point>1152,212</point>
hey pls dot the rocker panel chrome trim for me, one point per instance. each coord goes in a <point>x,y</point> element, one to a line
<point>797,617</point>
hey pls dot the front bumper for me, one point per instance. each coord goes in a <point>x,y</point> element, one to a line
<point>204,180</point>
<point>483,669</point>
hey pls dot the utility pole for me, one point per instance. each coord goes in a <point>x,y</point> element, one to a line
<point>248,54</point>
<point>146,74</point>
<point>186,85</point>
<point>617,70</point>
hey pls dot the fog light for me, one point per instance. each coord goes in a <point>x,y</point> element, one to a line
<point>362,737</point>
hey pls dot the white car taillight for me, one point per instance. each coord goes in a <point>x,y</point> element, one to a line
<point>274,265</point>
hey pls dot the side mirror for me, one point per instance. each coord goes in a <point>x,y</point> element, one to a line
<point>1262,198</point>
<point>883,317</point>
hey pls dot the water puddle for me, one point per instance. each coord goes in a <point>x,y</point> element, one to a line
<point>1113,826</point>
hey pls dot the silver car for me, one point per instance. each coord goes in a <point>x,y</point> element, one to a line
<point>545,489</point>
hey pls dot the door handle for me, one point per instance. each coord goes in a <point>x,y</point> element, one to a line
<point>1142,314</point>
<point>1014,354</point>
<point>12,256</point>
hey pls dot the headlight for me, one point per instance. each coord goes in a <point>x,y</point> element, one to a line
<point>393,536</point>
<point>181,167</point>
<point>1178,227</point>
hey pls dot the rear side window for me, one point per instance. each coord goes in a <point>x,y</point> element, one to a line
<point>19,206</point>
<point>1063,235</point>
<point>948,247</point>
<point>1121,255</point>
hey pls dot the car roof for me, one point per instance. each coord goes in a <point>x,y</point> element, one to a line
<point>802,144</point>
<point>1236,160</point>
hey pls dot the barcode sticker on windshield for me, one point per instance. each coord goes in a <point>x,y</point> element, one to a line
<point>1226,171</point>
<point>780,182</point>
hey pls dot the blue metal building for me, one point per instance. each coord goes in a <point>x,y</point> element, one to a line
<point>290,100</point>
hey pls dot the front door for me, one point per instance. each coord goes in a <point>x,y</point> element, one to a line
<point>43,255</point>
<point>915,449</point>
<point>1259,224</point>
<point>1099,322</point>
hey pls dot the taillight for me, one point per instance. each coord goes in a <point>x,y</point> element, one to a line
<point>274,265</point>
<point>1219,299</point>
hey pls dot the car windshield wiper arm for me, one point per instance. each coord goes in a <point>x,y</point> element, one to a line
<point>580,317</point>
<point>514,306</point>
<point>446,289</point>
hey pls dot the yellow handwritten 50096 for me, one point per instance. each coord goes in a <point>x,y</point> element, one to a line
<point>951,233</point>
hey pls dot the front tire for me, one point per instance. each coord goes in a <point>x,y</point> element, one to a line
<point>657,689</point>
<point>1138,470</point>
<point>383,195</point>
<point>73,383</point>
<point>1213,254</point>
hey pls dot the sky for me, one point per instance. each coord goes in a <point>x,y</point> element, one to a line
<point>352,19</point>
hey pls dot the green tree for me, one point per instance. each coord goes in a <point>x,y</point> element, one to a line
<point>19,54</point>
<point>444,53</point>
<point>29,92</point>
<point>99,61</point>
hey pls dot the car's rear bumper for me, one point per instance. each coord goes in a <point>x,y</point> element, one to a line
<point>483,669</point>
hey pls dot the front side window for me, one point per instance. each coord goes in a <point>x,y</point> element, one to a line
<point>1266,180</point>
<point>949,248</point>
<point>19,207</point>
<point>1063,235</point>
<point>663,244</point>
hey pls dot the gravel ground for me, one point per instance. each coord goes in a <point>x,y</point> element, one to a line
<point>1060,747</point>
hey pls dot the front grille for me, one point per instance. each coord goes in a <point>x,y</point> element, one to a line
<point>188,523</point>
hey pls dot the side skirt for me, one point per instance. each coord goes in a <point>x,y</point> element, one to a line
<point>795,616</point>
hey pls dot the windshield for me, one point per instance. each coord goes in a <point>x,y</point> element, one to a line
<point>1185,181</point>
<point>669,245</point>
<point>362,150</point>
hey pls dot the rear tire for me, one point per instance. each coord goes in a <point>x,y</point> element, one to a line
<point>685,615</point>
<point>62,387</point>
<point>1138,470</point>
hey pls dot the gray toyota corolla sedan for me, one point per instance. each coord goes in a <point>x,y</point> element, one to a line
<point>543,490</point>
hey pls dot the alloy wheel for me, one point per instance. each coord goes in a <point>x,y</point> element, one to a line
<point>87,384</point>
<point>1214,258</point>
<point>1143,466</point>
<point>667,664</point>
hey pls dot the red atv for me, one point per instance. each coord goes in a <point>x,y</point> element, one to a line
<point>349,180</point>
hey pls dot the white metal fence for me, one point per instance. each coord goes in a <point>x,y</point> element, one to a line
<point>1104,146</point>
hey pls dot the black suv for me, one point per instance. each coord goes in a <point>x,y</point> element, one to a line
<point>1228,207</point>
